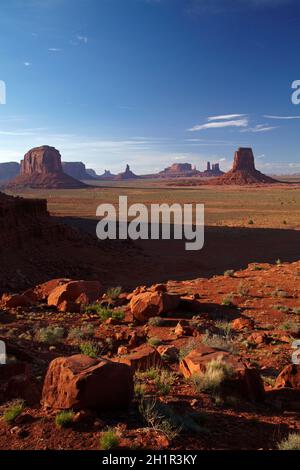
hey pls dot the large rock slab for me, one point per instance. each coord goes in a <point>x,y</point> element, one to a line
<point>73,290</point>
<point>82,382</point>
<point>143,358</point>
<point>152,304</point>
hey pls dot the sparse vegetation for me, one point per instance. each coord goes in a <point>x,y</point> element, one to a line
<point>229,273</point>
<point>164,381</point>
<point>105,313</point>
<point>155,419</point>
<point>191,344</point>
<point>16,408</point>
<point>227,300</point>
<point>154,342</point>
<point>90,349</point>
<point>51,334</point>
<point>217,371</point>
<point>223,343</point>
<point>296,310</point>
<point>64,418</point>
<point>156,321</point>
<point>291,327</point>
<point>109,440</point>
<point>292,442</point>
<point>280,293</point>
<point>114,292</point>
<point>243,290</point>
<point>80,333</point>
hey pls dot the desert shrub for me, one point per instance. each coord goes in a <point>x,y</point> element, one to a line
<point>250,222</point>
<point>154,342</point>
<point>291,327</point>
<point>156,321</point>
<point>118,315</point>
<point>89,349</point>
<point>281,308</point>
<point>155,419</point>
<point>64,418</point>
<point>50,334</point>
<point>79,333</point>
<point>114,292</point>
<point>296,310</point>
<point>217,371</point>
<point>147,374</point>
<point>292,442</point>
<point>191,344</point>
<point>164,381</point>
<point>256,267</point>
<point>224,343</point>
<point>280,293</point>
<point>224,326</point>
<point>227,301</point>
<point>109,440</point>
<point>16,408</point>
<point>139,390</point>
<point>278,262</point>
<point>229,273</point>
<point>268,380</point>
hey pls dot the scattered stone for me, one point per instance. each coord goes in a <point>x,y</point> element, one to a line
<point>152,304</point>
<point>143,358</point>
<point>71,291</point>
<point>81,382</point>
<point>289,377</point>
<point>242,324</point>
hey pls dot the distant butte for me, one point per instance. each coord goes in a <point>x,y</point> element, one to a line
<point>42,168</point>
<point>126,175</point>
<point>243,171</point>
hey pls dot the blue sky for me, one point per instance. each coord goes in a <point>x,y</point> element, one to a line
<point>151,82</point>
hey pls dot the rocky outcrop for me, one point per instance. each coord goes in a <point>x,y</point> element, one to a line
<point>73,291</point>
<point>244,171</point>
<point>107,175</point>
<point>81,382</point>
<point>9,170</point>
<point>152,303</point>
<point>42,168</point>
<point>289,377</point>
<point>77,170</point>
<point>126,175</point>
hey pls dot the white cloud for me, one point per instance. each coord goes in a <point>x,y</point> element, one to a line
<point>226,117</point>
<point>259,128</point>
<point>54,49</point>
<point>288,118</point>
<point>27,64</point>
<point>220,124</point>
<point>83,39</point>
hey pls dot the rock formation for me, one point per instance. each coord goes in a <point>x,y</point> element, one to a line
<point>213,170</point>
<point>77,170</point>
<point>107,175</point>
<point>244,171</point>
<point>179,170</point>
<point>126,175</point>
<point>42,168</point>
<point>9,170</point>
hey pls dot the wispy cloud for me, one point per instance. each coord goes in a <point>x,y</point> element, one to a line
<point>83,39</point>
<point>260,128</point>
<point>226,117</point>
<point>54,49</point>
<point>220,124</point>
<point>27,64</point>
<point>287,118</point>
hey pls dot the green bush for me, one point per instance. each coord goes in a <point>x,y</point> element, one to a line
<point>14,411</point>
<point>90,349</point>
<point>64,418</point>
<point>114,292</point>
<point>109,440</point>
<point>154,342</point>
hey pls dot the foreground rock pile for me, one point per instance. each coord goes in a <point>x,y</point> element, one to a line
<point>219,349</point>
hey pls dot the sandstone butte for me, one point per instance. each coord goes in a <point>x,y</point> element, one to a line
<point>243,171</point>
<point>42,168</point>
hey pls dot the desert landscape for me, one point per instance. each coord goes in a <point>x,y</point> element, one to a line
<point>134,345</point>
<point>150,232</point>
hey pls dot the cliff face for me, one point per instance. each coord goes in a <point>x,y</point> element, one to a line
<point>76,170</point>
<point>42,168</point>
<point>9,170</point>
<point>244,171</point>
<point>179,170</point>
